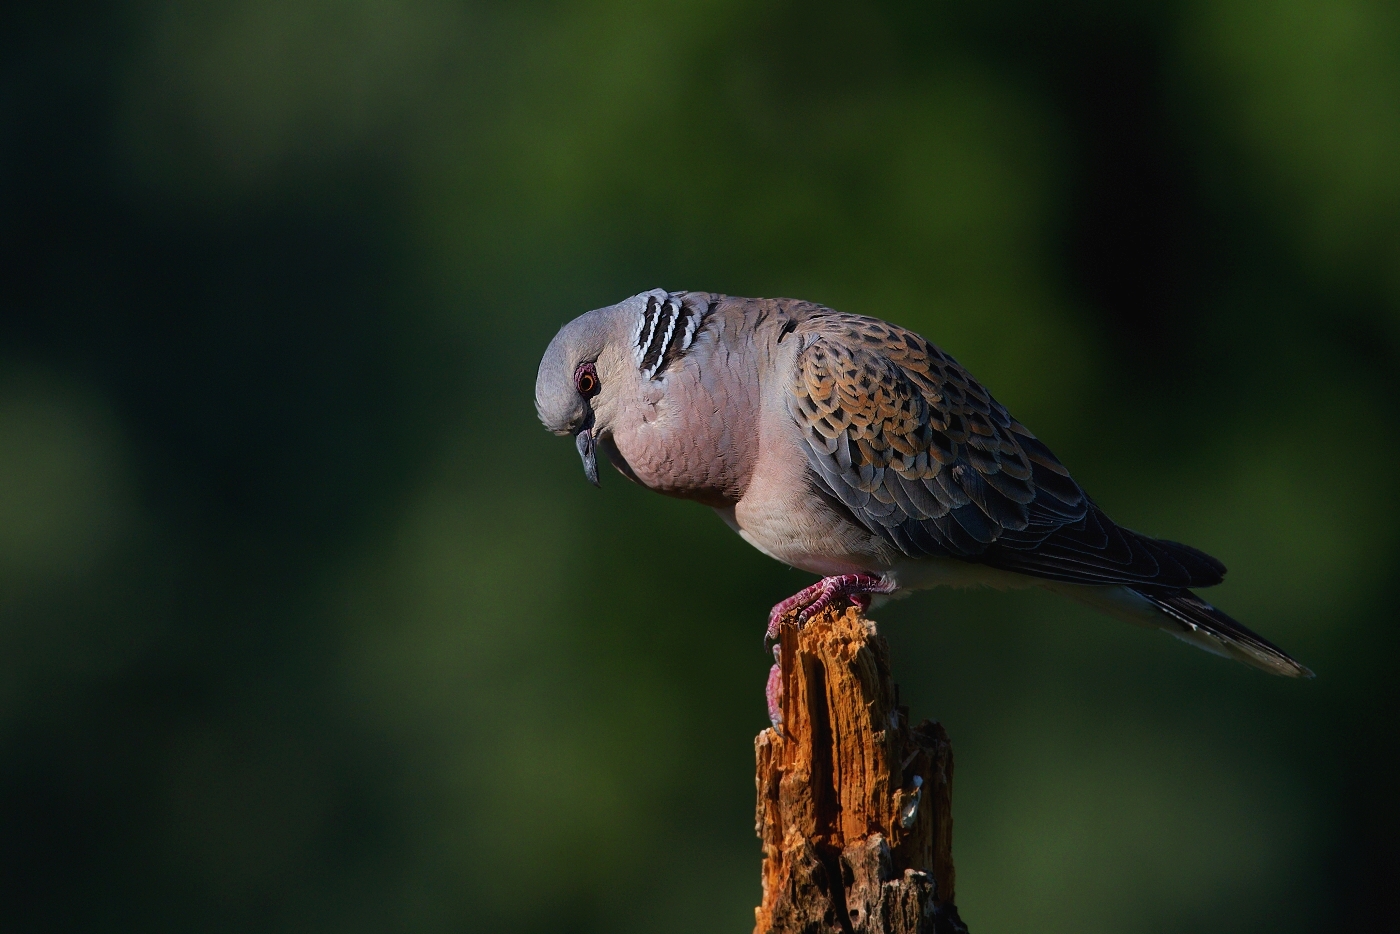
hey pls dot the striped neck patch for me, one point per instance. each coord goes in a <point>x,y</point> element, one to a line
<point>665,329</point>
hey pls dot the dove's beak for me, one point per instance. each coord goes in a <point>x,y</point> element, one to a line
<point>588,450</point>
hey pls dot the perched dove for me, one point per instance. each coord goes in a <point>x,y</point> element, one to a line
<point>857,450</point>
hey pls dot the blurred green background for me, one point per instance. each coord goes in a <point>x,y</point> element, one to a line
<point>306,625</point>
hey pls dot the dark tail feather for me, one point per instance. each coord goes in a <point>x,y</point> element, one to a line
<point>1203,625</point>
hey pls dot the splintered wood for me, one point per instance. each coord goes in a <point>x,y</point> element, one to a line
<point>854,805</point>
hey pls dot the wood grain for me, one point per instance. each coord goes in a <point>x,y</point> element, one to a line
<point>854,804</point>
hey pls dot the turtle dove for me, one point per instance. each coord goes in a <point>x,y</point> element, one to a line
<point>857,450</point>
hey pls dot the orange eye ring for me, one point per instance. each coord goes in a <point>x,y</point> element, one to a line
<point>586,381</point>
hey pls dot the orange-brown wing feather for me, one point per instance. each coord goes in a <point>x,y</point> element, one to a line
<point>922,455</point>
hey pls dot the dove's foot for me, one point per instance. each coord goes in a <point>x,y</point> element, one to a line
<point>808,602</point>
<point>774,691</point>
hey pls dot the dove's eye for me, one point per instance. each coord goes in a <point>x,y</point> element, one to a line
<point>586,381</point>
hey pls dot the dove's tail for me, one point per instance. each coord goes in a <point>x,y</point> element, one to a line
<point>1191,619</point>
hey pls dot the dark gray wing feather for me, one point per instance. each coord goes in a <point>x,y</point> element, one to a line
<point>923,456</point>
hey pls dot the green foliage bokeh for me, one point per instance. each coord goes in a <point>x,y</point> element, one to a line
<point>306,625</point>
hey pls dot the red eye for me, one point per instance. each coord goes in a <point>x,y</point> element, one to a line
<point>586,381</point>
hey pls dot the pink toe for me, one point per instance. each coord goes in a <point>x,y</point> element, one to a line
<point>774,694</point>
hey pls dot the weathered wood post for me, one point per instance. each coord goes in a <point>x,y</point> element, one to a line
<point>854,805</point>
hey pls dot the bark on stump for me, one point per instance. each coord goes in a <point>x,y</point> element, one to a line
<point>854,805</point>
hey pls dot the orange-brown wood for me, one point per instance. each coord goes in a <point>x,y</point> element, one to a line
<point>854,804</point>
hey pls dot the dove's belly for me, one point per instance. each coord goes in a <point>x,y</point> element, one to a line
<point>787,522</point>
<point>781,517</point>
<point>823,542</point>
<point>817,547</point>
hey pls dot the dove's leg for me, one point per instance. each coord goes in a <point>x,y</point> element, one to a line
<point>808,602</point>
<point>857,588</point>
<point>774,690</point>
<point>800,599</point>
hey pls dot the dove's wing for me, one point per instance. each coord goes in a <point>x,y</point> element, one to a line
<point>922,455</point>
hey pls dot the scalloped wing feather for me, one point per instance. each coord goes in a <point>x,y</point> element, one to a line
<point>922,455</point>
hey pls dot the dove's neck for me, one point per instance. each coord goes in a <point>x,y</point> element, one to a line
<point>695,434</point>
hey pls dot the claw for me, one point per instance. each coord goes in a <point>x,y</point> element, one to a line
<point>798,600</point>
<point>808,602</point>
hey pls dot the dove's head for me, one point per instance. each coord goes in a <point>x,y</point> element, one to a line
<point>588,372</point>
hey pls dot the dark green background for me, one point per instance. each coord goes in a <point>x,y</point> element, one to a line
<point>306,625</point>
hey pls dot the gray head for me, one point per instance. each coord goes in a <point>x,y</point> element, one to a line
<point>585,370</point>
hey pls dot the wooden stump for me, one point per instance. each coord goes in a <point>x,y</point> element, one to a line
<point>854,805</point>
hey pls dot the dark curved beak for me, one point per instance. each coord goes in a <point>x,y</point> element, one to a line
<point>588,450</point>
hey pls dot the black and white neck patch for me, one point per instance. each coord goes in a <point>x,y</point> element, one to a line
<point>665,329</point>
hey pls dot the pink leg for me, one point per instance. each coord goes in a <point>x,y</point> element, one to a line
<point>798,600</point>
<point>774,690</point>
<point>808,602</point>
